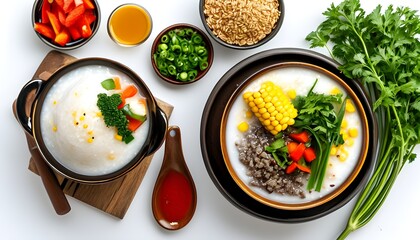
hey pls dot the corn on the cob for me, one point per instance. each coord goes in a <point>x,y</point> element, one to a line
<point>272,107</point>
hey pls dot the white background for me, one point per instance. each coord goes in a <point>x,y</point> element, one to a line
<point>26,212</point>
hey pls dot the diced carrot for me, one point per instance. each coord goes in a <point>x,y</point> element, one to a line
<point>298,152</point>
<point>292,146</point>
<point>55,23</point>
<point>44,30</point>
<point>133,124</point>
<point>303,168</point>
<point>117,83</point>
<point>302,137</point>
<point>291,168</point>
<point>88,4</point>
<point>74,15</point>
<point>129,91</point>
<point>61,15</point>
<point>75,33</point>
<point>309,154</point>
<point>46,6</point>
<point>62,38</point>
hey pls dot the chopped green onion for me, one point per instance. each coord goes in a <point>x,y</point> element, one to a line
<point>108,84</point>
<point>181,53</point>
<point>127,111</point>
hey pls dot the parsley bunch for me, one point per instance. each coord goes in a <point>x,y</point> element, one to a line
<point>380,50</point>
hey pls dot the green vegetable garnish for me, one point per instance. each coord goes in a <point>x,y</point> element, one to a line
<point>113,117</point>
<point>180,54</point>
<point>108,84</point>
<point>316,114</point>
<point>127,111</point>
<point>382,50</point>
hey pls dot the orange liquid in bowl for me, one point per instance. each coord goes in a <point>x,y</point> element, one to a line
<point>129,25</point>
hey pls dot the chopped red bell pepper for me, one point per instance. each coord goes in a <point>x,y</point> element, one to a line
<point>44,30</point>
<point>75,33</point>
<point>68,6</point>
<point>291,168</point>
<point>60,3</point>
<point>62,38</point>
<point>291,146</point>
<point>46,6</point>
<point>133,124</point>
<point>61,15</point>
<point>55,23</point>
<point>298,152</point>
<point>303,168</point>
<point>88,4</point>
<point>309,154</point>
<point>74,15</point>
<point>90,16</point>
<point>302,137</point>
<point>122,104</point>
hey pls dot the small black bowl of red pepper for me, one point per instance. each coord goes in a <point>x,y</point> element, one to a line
<point>66,24</point>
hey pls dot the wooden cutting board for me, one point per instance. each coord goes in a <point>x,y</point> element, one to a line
<point>114,197</point>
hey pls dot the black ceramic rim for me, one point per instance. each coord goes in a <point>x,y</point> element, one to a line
<point>271,35</point>
<point>143,152</point>
<point>212,153</point>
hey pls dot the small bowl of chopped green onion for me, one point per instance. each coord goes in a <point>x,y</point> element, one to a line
<point>182,54</point>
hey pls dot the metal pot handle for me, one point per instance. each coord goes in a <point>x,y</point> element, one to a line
<point>21,103</point>
<point>160,126</point>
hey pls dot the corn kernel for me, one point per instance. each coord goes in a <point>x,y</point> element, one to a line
<point>266,122</point>
<point>55,102</point>
<point>262,110</point>
<point>54,128</point>
<point>353,132</point>
<point>270,128</point>
<point>99,114</point>
<point>254,109</point>
<point>111,156</point>
<point>344,123</point>
<point>90,140</point>
<point>118,137</point>
<point>90,132</point>
<point>258,100</point>
<point>345,136</point>
<point>291,94</point>
<point>275,123</point>
<point>247,95</point>
<point>74,114</point>
<point>284,120</point>
<point>251,104</point>
<point>333,151</point>
<point>350,142</point>
<point>349,106</point>
<point>256,95</point>
<point>335,91</point>
<point>266,115</point>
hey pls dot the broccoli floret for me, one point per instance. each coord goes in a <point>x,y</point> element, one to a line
<point>113,116</point>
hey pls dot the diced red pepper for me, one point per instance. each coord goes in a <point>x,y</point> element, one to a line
<point>68,5</point>
<point>122,104</point>
<point>88,4</point>
<point>75,33</point>
<point>309,154</point>
<point>74,15</point>
<point>298,152</point>
<point>62,38</point>
<point>90,16</point>
<point>291,168</point>
<point>129,91</point>
<point>55,23</point>
<point>46,6</point>
<point>44,30</point>
<point>133,124</point>
<point>61,15</point>
<point>303,168</point>
<point>86,30</point>
<point>60,3</point>
<point>302,137</point>
<point>291,146</point>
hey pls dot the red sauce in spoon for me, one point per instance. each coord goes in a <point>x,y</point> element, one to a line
<point>175,197</point>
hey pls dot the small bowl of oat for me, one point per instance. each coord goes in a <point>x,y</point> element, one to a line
<point>242,24</point>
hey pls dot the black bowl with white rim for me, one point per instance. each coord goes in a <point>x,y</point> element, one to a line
<point>217,158</point>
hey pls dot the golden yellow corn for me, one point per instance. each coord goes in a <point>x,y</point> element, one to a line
<point>272,107</point>
<point>243,126</point>
<point>349,106</point>
<point>353,132</point>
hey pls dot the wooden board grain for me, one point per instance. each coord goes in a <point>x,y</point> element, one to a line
<point>114,197</point>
